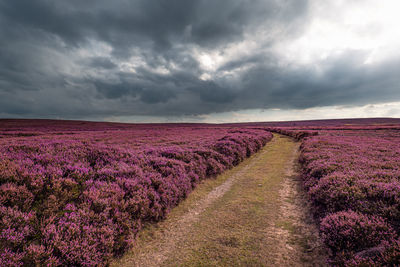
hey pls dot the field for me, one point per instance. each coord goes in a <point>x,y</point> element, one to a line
<point>78,193</point>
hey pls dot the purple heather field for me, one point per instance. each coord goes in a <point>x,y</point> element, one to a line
<point>351,174</point>
<point>76,193</point>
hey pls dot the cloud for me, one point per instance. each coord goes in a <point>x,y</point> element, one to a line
<point>98,59</point>
<point>100,62</point>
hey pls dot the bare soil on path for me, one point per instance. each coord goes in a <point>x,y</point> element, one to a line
<point>252,215</point>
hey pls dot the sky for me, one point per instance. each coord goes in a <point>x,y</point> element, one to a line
<point>199,61</point>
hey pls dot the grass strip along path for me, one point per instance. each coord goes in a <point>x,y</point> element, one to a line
<point>252,215</point>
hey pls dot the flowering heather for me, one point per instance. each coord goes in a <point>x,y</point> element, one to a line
<point>76,196</point>
<point>353,180</point>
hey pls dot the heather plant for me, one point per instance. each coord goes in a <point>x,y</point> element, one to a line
<point>76,194</point>
<point>351,231</point>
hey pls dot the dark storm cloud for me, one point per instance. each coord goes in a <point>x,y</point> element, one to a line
<point>211,92</point>
<point>115,91</point>
<point>130,23</point>
<point>77,59</point>
<point>100,62</point>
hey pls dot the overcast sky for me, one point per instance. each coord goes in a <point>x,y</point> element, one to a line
<point>205,60</point>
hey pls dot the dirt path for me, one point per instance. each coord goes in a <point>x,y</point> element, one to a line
<point>252,215</point>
